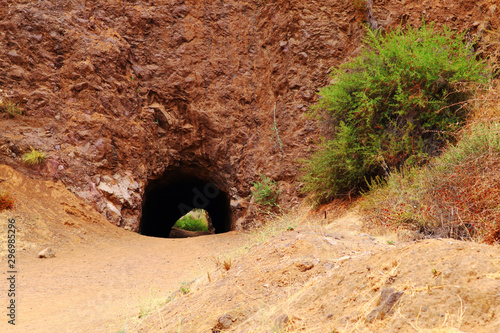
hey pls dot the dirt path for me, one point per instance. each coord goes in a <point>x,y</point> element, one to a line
<point>313,275</point>
<point>101,274</point>
<point>97,288</point>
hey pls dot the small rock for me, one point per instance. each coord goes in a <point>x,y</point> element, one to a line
<point>225,321</point>
<point>85,67</point>
<point>16,73</point>
<point>493,8</point>
<point>47,253</point>
<point>80,86</point>
<point>37,38</point>
<point>447,273</point>
<point>387,300</point>
<point>280,321</point>
<point>14,57</point>
<point>330,241</point>
<point>304,265</point>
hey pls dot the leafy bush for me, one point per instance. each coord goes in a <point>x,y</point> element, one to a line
<point>396,103</point>
<point>6,201</point>
<point>456,195</point>
<point>266,192</point>
<point>187,222</point>
<point>11,108</point>
<point>34,157</point>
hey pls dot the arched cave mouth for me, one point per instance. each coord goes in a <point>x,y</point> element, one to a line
<point>169,198</point>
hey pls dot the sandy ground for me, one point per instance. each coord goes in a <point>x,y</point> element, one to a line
<point>94,288</point>
<point>101,275</point>
<point>301,273</point>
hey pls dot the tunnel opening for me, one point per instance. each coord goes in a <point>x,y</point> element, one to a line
<point>168,199</point>
<point>196,220</point>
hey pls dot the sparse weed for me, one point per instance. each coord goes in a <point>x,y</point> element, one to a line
<point>6,201</point>
<point>149,303</point>
<point>225,263</point>
<point>34,157</point>
<point>266,192</point>
<point>275,224</point>
<point>11,108</point>
<point>184,288</point>
<point>143,312</point>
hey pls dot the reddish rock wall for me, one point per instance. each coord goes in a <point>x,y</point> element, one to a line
<point>122,92</point>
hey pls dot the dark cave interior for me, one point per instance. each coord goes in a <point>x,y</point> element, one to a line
<point>169,198</point>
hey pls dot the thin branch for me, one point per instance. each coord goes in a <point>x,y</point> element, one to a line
<point>369,16</point>
<point>275,128</point>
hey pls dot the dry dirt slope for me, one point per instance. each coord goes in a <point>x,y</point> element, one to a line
<point>101,275</point>
<point>322,276</point>
<point>331,279</point>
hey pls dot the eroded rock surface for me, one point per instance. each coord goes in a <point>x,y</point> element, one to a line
<point>119,93</point>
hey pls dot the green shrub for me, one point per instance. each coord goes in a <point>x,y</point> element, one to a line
<point>11,108</point>
<point>191,224</point>
<point>34,157</point>
<point>266,192</point>
<point>396,103</point>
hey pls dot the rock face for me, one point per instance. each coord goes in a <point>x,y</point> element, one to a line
<point>122,93</point>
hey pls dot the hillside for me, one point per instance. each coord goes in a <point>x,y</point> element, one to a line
<point>122,94</point>
<point>301,272</point>
<point>328,279</point>
<point>144,110</point>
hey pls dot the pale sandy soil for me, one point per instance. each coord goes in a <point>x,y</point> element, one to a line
<point>322,275</point>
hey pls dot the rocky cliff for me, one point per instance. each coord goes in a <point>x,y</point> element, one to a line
<point>124,93</point>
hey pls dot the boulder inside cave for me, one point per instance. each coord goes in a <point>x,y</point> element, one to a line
<point>172,196</point>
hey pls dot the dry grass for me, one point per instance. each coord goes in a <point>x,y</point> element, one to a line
<point>489,47</point>
<point>224,263</point>
<point>6,201</point>
<point>34,157</point>
<point>487,104</point>
<point>456,195</point>
<point>11,108</point>
<point>275,224</point>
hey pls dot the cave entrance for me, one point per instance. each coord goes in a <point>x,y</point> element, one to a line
<point>168,199</point>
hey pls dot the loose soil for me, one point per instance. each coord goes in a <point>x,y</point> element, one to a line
<point>301,273</point>
<point>101,274</point>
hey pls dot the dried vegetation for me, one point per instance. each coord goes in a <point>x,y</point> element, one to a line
<point>456,195</point>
